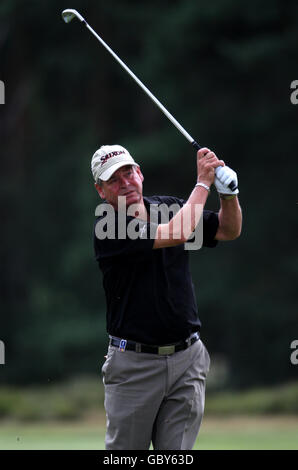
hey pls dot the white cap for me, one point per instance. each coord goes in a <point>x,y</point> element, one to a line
<point>107,159</point>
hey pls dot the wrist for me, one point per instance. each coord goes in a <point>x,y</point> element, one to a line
<point>203,185</point>
<point>227,197</point>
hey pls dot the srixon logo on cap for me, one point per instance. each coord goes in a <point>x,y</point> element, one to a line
<point>104,158</point>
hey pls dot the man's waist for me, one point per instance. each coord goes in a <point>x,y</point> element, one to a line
<point>165,349</point>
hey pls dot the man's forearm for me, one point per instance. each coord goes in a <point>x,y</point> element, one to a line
<point>230,219</point>
<point>181,226</point>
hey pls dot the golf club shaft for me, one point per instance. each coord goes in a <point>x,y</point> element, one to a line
<point>195,144</point>
<point>144,88</point>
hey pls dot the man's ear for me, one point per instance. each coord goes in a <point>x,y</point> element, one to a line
<point>138,170</point>
<point>100,190</point>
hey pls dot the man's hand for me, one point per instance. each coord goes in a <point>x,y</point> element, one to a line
<point>223,178</point>
<point>207,161</point>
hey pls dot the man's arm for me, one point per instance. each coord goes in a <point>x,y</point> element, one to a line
<point>230,220</point>
<point>181,226</point>
<point>230,215</point>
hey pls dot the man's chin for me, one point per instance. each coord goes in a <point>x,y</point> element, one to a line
<point>127,200</point>
<point>132,198</point>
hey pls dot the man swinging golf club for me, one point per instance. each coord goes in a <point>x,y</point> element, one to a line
<point>156,366</point>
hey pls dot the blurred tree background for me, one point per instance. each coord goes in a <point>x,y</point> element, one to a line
<point>224,69</point>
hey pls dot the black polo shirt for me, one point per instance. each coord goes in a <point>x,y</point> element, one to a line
<point>149,293</point>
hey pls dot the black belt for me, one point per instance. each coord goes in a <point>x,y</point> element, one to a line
<point>165,350</point>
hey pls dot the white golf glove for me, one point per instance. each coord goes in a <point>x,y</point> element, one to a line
<point>223,177</point>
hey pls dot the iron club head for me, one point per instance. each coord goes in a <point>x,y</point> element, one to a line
<point>70,14</point>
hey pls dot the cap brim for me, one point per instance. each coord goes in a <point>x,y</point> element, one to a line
<point>108,173</point>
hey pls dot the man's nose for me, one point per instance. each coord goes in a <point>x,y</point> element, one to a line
<point>123,181</point>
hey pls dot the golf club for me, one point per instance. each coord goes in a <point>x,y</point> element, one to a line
<point>68,16</point>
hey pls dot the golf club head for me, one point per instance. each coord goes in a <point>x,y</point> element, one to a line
<point>69,15</point>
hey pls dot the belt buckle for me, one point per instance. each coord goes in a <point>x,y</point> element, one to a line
<point>166,350</point>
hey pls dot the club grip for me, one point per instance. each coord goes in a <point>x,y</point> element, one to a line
<point>196,145</point>
<point>232,184</point>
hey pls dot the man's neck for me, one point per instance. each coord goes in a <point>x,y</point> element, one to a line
<point>137,209</point>
<point>141,209</point>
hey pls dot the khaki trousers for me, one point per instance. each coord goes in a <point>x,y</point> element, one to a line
<point>153,398</point>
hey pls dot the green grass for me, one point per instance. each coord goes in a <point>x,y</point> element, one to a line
<point>71,416</point>
<point>71,400</point>
<point>63,401</point>
<point>282,399</point>
<point>249,433</point>
<point>239,432</point>
<point>51,437</point>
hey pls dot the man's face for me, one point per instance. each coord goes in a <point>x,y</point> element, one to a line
<point>127,181</point>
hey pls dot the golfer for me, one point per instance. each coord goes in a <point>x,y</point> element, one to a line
<point>156,365</point>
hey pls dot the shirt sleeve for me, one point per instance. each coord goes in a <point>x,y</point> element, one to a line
<point>210,226</point>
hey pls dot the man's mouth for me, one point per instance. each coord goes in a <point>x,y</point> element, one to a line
<point>128,192</point>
